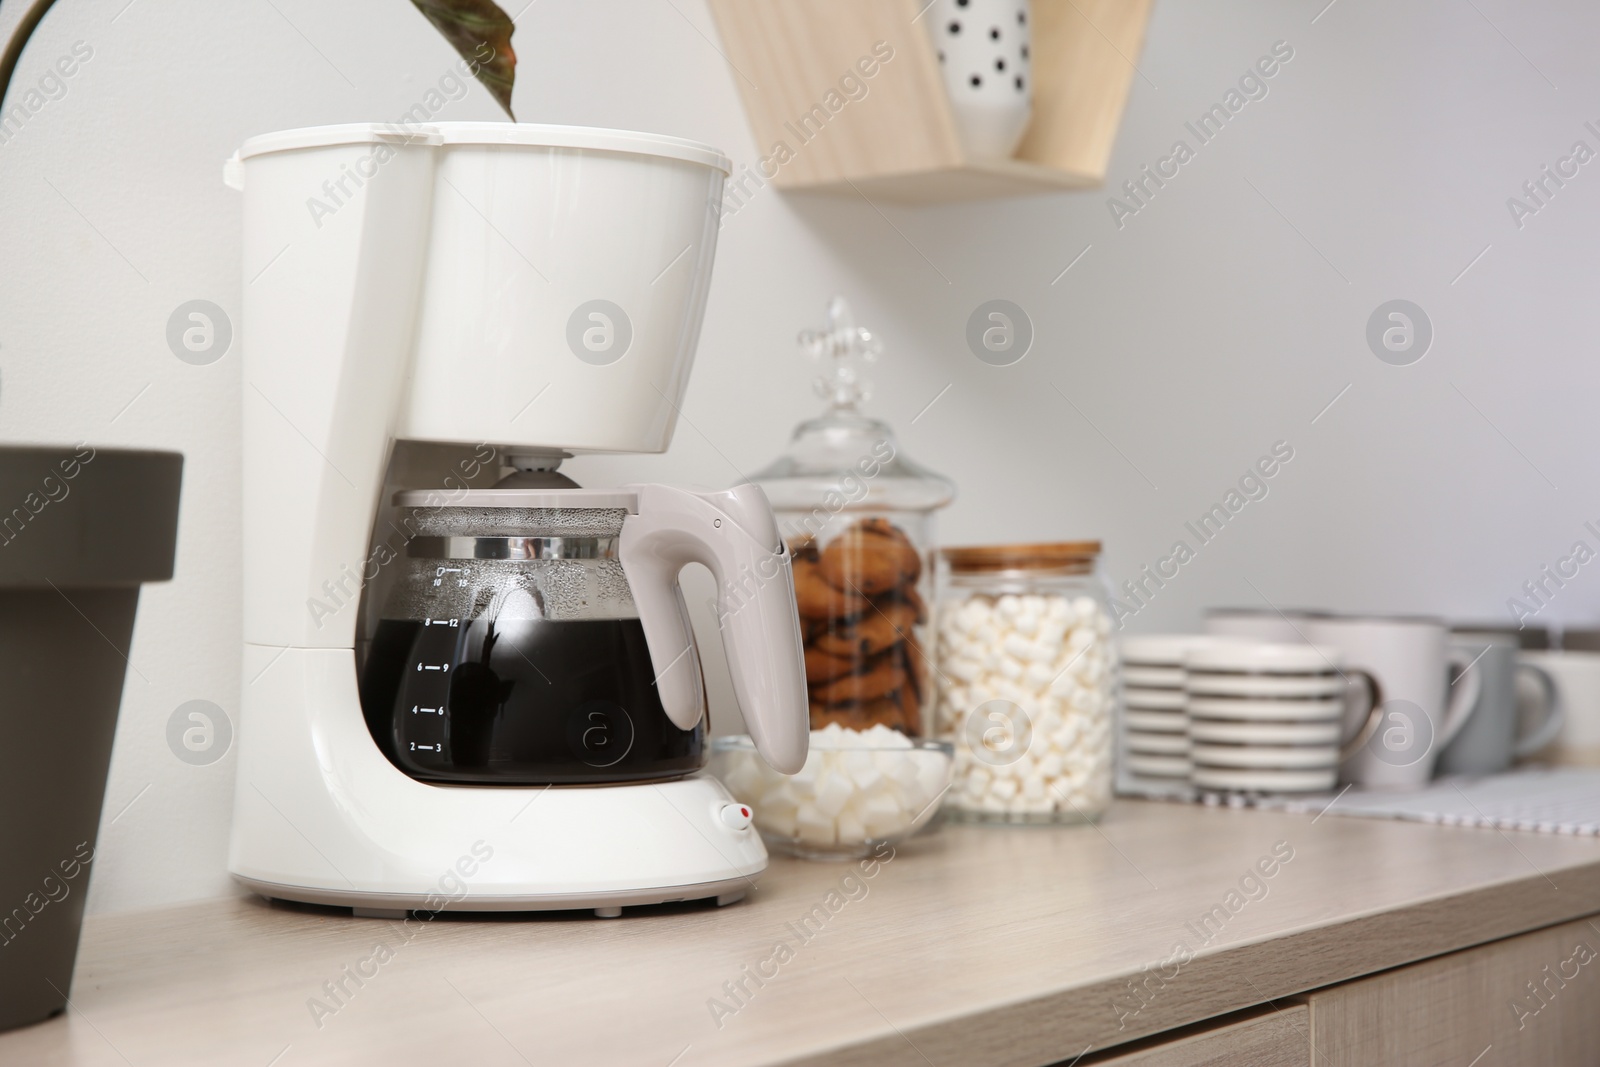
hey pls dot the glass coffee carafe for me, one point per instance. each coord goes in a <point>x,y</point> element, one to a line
<point>510,650</point>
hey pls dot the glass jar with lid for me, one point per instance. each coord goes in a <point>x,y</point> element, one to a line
<point>1027,681</point>
<point>858,517</point>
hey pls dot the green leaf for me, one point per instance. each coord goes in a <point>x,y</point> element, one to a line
<point>481,34</point>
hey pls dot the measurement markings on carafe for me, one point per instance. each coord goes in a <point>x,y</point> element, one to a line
<point>440,572</point>
<point>434,660</point>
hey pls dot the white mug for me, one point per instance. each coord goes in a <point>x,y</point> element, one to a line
<point>1577,681</point>
<point>1271,717</point>
<point>1268,625</point>
<point>1408,659</point>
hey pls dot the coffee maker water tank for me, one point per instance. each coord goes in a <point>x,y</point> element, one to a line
<point>565,280</point>
<point>517,285</point>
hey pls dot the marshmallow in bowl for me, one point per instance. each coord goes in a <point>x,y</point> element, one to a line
<point>1049,655</point>
<point>856,786</point>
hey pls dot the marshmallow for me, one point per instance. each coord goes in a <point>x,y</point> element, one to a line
<point>857,786</point>
<point>932,778</point>
<point>850,827</point>
<point>881,817</point>
<point>834,791</point>
<point>814,828</point>
<point>1050,655</point>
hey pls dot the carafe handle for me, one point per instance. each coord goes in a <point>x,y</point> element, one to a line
<point>733,534</point>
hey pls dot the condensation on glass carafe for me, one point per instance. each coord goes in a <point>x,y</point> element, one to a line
<point>566,588</point>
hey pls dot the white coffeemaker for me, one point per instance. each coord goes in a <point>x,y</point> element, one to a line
<point>467,682</point>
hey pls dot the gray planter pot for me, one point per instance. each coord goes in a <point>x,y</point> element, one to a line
<point>80,529</point>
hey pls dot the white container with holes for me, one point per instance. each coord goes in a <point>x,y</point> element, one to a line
<point>983,49</point>
<point>1027,682</point>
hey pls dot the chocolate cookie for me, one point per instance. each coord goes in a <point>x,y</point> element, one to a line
<point>907,594</point>
<point>893,712</point>
<point>822,667</point>
<point>877,630</point>
<point>913,662</point>
<point>910,708</point>
<point>817,599</point>
<point>883,528</point>
<point>849,716</point>
<point>867,560</point>
<point>880,681</point>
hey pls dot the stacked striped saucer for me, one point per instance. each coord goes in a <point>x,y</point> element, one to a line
<point>1264,718</point>
<point>1154,736</point>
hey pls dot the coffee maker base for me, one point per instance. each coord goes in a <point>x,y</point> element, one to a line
<point>321,816</point>
<point>605,904</point>
<point>553,849</point>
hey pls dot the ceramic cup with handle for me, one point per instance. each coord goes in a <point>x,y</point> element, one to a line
<point>1526,637</point>
<point>1271,718</point>
<point>1577,683</point>
<point>1488,742</point>
<point>1409,659</point>
<point>1288,627</point>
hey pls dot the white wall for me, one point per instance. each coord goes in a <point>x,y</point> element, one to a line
<point>1212,325</point>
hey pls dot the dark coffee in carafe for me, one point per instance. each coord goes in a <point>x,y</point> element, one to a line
<point>521,701</point>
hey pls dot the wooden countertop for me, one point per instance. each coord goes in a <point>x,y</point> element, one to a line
<point>973,946</point>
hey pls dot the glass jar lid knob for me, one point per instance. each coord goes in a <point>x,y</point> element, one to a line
<point>844,343</point>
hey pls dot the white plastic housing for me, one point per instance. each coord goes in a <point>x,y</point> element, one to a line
<point>522,236</point>
<point>420,283</point>
<point>321,815</point>
<point>425,284</point>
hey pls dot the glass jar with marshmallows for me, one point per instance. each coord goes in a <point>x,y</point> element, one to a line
<point>1026,680</point>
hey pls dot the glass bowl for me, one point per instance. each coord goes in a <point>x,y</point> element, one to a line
<point>857,790</point>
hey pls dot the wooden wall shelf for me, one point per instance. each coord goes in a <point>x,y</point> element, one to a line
<point>898,141</point>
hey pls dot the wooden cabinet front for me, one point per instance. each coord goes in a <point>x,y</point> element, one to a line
<point>1527,1000</point>
<point>1274,1039</point>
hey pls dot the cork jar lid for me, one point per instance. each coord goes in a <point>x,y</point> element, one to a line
<point>1076,557</point>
